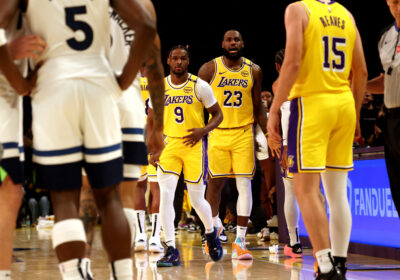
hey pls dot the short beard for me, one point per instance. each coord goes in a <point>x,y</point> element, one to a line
<point>235,57</point>
<point>179,74</point>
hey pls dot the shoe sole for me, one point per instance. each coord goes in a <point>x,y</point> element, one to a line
<point>139,248</point>
<point>246,256</point>
<point>156,249</point>
<point>168,264</point>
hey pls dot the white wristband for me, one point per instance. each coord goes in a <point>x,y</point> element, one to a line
<point>3,39</point>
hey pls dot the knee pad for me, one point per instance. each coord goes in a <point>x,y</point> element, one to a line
<point>67,231</point>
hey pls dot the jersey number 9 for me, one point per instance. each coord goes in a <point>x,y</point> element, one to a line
<point>179,115</point>
<point>76,25</point>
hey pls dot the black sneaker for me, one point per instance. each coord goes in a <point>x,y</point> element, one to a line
<point>171,258</point>
<point>341,263</point>
<point>334,274</point>
<point>213,246</point>
<point>203,240</point>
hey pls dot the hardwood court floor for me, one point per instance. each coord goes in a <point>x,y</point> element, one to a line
<point>34,259</point>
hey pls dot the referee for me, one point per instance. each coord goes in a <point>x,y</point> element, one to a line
<point>389,84</point>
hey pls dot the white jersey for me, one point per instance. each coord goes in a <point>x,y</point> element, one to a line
<point>122,38</point>
<point>14,30</point>
<point>77,33</point>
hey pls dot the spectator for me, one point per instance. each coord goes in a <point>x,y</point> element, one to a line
<point>368,118</point>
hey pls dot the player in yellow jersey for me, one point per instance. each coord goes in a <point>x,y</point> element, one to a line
<point>236,82</point>
<point>186,96</point>
<point>323,45</point>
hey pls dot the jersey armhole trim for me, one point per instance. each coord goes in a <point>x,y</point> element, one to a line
<point>215,71</point>
<point>305,7</point>
<point>195,84</point>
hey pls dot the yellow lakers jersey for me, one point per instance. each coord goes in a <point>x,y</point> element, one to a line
<point>233,91</point>
<point>145,93</point>
<point>327,51</point>
<point>183,109</point>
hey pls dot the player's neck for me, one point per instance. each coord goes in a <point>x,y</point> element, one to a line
<point>179,79</point>
<point>233,63</point>
<point>325,1</point>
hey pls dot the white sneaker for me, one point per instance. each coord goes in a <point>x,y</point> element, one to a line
<point>273,222</point>
<point>264,234</point>
<point>274,236</point>
<point>155,245</point>
<point>141,242</point>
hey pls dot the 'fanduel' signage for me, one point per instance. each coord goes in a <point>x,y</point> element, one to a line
<point>374,215</point>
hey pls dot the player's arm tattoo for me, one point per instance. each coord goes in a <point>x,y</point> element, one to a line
<point>206,72</point>
<point>259,113</point>
<point>155,76</point>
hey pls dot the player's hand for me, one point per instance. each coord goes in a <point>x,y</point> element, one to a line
<point>155,145</point>
<point>357,135</point>
<point>194,137</point>
<point>31,46</point>
<point>274,138</point>
<point>284,160</point>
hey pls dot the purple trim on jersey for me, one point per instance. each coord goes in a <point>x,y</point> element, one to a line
<point>292,135</point>
<point>205,158</point>
<point>326,3</point>
<point>168,172</point>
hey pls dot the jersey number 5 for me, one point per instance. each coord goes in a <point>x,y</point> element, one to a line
<point>76,25</point>
<point>339,60</point>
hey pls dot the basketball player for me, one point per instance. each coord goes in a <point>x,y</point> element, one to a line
<point>185,98</point>
<point>133,120</point>
<point>236,83</point>
<point>291,208</point>
<point>323,45</point>
<point>11,134</point>
<point>148,176</point>
<point>75,118</point>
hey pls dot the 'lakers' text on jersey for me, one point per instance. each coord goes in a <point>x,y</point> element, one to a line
<point>183,108</point>
<point>329,62</point>
<point>233,91</point>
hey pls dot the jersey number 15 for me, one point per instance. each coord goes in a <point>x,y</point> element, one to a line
<point>339,57</point>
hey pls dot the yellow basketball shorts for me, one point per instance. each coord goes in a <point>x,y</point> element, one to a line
<point>321,133</point>
<point>148,172</point>
<point>231,152</point>
<point>177,157</point>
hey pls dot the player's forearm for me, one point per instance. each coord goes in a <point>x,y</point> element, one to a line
<point>376,85</point>
<point>214,122</point>
<point>287,79</point>
<point>358,88</point>
<point>149,123</point>
<point>11,72</point>
<point>155,77</point>
<point>260,118</point>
